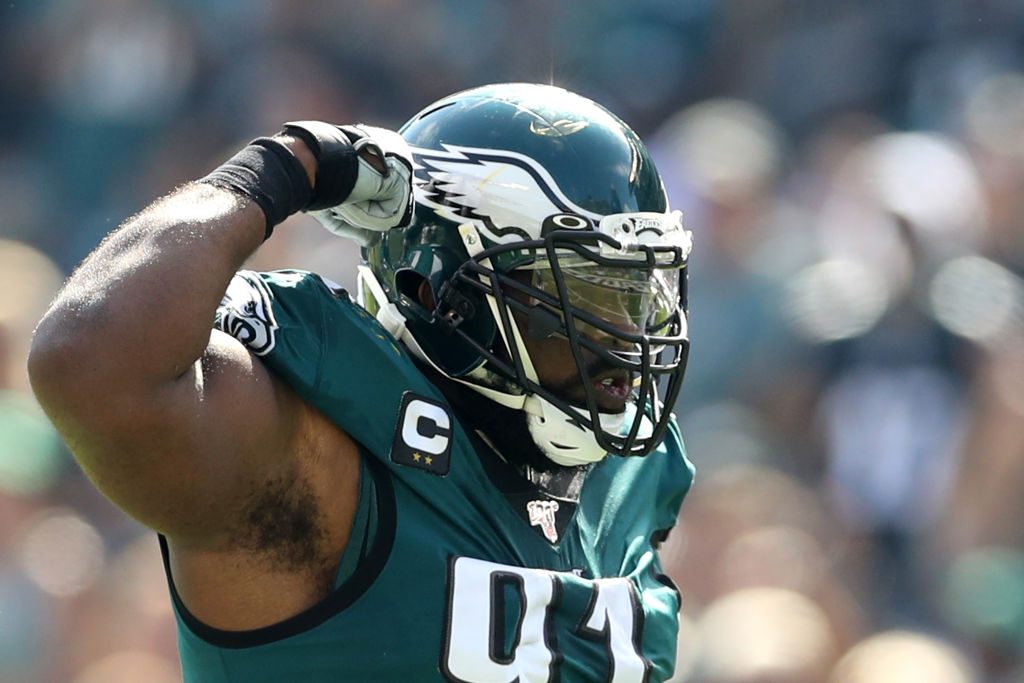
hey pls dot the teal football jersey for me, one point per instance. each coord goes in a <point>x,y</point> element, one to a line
<point>466,571</point>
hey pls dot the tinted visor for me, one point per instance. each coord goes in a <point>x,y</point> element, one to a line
<point>632,302</point>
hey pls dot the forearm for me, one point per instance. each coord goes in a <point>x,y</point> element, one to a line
<point>154,283</point>
<point>139,308</point>
<point>174,422</point>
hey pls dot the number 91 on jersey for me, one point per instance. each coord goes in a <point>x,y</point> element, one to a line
<point>517,624</point>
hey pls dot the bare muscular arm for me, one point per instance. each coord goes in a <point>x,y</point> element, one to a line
<point>173,423</point>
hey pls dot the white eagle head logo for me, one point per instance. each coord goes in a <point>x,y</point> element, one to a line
<point>506,195</point>
<point>246,312</point>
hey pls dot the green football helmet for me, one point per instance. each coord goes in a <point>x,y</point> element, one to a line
<point>540,213</point>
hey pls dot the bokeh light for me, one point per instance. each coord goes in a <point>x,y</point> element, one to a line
<point>994,114</point>
<point>978,299</point>
<point>730,147</point>
<point>764,634</point>
<point>836,299</point>
<point>929,181</point>
<point>985,594</point>
<point>31,456</point>
<point>903,657</point>
<point>130,666</point>
<point>62,553</point>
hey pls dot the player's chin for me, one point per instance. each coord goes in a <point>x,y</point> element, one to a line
<point>607,403</point>
<point>612,406</point>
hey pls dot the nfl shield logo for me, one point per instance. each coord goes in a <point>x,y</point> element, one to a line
<point>542,514</point>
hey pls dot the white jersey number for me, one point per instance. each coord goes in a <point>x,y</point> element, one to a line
<point>474,649</point>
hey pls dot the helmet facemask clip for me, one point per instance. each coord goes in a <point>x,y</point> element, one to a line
<point>453,308</point>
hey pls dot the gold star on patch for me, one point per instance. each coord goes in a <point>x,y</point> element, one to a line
<point>417,456</point>
<point>429,460</point>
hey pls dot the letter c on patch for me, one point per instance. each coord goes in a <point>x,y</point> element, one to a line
<point>426,427</point>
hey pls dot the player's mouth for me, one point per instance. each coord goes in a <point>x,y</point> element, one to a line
<point>612,389</point>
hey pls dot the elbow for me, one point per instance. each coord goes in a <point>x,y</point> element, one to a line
<point>66,375</point>
<point>46,356</point>
<point>56,355</point>
<point>78,380</point>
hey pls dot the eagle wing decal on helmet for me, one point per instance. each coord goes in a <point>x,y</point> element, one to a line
<point>507,195</point>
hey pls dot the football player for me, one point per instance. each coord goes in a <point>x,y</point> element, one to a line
<point>464,475</point>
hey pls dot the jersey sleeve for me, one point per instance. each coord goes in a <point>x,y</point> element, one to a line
<point>676,479</point>
<point>279,317</point>
<point>324,345</point>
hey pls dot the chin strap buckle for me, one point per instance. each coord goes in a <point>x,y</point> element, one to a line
<point>457,307</point>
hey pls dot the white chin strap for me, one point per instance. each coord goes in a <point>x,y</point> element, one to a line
<point>562,440</point>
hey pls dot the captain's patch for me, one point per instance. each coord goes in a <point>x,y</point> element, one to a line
<point>246,312</point>
<point>423,435</point>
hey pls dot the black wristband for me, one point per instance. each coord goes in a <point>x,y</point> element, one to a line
<point>268,173</point>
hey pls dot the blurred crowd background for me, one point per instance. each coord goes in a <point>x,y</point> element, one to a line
<point>853,172</point>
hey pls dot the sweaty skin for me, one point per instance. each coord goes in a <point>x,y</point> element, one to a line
<point>193,436</point>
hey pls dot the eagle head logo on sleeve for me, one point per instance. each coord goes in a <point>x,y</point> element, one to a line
<point>506,195</point>
<point>246,312</point>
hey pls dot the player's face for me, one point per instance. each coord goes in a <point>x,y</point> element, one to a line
<point>556,370</point>
<point>629,301</point>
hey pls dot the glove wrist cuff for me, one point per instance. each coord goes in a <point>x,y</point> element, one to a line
<point>336,158</point>
<point>269,174</point>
